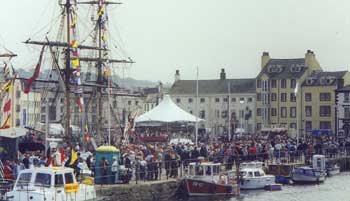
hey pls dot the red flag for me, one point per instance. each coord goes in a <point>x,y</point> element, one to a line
<point>30,81</point>
<point>7,106</point>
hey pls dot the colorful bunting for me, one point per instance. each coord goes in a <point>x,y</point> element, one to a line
<point>6,123</point>
<point>30,81</point>
<point>7,106</point>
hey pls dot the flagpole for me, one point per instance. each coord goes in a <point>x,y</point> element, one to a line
<point>229,112</point>
<point>109,111</point>
<point>297,99</point>
<point>196,132</point>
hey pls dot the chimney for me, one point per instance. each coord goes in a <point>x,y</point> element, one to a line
<point>177,75</point>
<point>265,58</point>
<point>222,74</point>
<point>340,83</point>
<point>311,62</point>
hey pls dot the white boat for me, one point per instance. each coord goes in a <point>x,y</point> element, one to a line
<point>333,170</point>
<point>206,179</point>
<point>254,177</point>
<point>50,183</point>
<point>307,175</point>
<point>314,174</point>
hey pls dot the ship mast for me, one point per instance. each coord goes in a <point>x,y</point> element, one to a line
<point>67,72</point>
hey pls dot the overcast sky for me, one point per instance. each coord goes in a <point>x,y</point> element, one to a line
<point>165,35</point>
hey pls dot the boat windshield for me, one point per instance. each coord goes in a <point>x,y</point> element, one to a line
<point>59,180</point>
<point>69,178</point>
<point>23,180</point>
<point>42,180</point>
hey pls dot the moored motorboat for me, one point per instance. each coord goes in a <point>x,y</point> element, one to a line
<point>333,170</point>
<point>254,177</point>
<point>206,179</point>
<point>307,174</point>
<point>50,183</point>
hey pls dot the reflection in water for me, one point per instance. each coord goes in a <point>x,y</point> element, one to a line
<point>335,188</point>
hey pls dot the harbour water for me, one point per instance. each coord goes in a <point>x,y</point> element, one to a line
<point>335,188</point>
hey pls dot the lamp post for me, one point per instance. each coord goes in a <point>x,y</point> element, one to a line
<point>241,102</point>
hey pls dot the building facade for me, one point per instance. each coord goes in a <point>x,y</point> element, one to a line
<point>296,94</point>
<point>343,112</point>
<point>217,99</point>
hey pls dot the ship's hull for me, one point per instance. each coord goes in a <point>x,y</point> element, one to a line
<point>196,187</point>
<point>307,179</point>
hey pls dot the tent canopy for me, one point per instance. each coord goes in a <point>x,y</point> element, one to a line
<point>13,132</point>
<point>167,111</point>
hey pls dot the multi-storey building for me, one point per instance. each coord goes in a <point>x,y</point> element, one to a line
<point>343,112</point>
<point>217,99</point>
<point>319,100</point>
<point>296,94</point>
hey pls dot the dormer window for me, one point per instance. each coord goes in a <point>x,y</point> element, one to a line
<point>275,69</point>
<point>309,81</point>
<point>295,68</point>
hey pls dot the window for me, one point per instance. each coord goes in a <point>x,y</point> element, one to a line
<point>202,114</point>
<point>24,180</point>
<point>325,96</point>
<point>217,100</point>
<point>283,84</point>
<point>258,84</point>
<point>308,126</point>
<point>283,97</point>
<point>241,99</point>
<point>178,100</point>
<point>293,98</point>
<point>43,118</point>
<point>59,180</point>
<point>293,125</point>
<point>308,97</point>
<point>273,112</point>
<point>293,83</point>
<point>346,97</point>
<point>273,97</point>
<point>250,100</point>
<point>191,112</point>
<point>69,178</point>
<point>18,108</point>
<point>258,126</point>
<point>42,180</point>
<point>224,114</point>
<point>308,111</point>
<point>129,102</point>
<point>202,100</point>
<point>136,102</point>
<point>190,100</point>
<point>233,99</point>
<point>325,111</point>
<point>346,112</point>
<point>258,97</point>
<point>325,125</point>
<point>62,100</point>
<point>293,112</point>
<point>43,109</point>
<point>225,99</point>
<point>18,94</point>
<point>273,84</point>
<point>283,112</point>
<point>258,112</point>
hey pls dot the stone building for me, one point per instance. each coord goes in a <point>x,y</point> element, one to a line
<point>217,99</point>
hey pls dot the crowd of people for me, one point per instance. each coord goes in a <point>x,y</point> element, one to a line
<point>151,161</point>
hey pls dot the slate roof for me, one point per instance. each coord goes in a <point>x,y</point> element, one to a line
<point>214,86</point>
<point>286,65</point>
<point>324,78</point>
<point>346,88</point>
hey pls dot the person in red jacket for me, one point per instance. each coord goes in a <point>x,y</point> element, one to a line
<point>8,173</point>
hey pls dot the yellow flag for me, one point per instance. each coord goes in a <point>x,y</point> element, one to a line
<point>6,123</point>
<point>74,44</point>
<point>75,63</point>
<point>73,157</point>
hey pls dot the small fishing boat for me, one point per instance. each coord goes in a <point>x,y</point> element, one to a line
<point>332,170</point>
<point>206,179</point>
<point>50,183</point>
<point>314,174</point>
<point>254,177</point>
<point>305,174</point>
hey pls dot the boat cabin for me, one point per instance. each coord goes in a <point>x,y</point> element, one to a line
<point>252,170</point>
<point>48,177</point>
<point>204,169</point>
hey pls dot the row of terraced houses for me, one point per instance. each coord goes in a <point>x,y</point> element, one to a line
<point>297,95</point>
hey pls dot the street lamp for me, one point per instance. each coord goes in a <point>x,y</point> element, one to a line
<point>241,102</point>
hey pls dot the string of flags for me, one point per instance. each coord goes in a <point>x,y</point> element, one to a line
<point>103,20</point>
<point>5,91</point>
<point>75,63</point>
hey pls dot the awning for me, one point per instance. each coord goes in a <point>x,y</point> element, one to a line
<point>13,132</point>
<point>318,132</point>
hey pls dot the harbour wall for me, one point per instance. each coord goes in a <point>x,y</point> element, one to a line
<point>343,162</point>
<point>148,191</point>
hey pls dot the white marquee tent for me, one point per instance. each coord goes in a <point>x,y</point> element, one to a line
<point>167,111</point>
